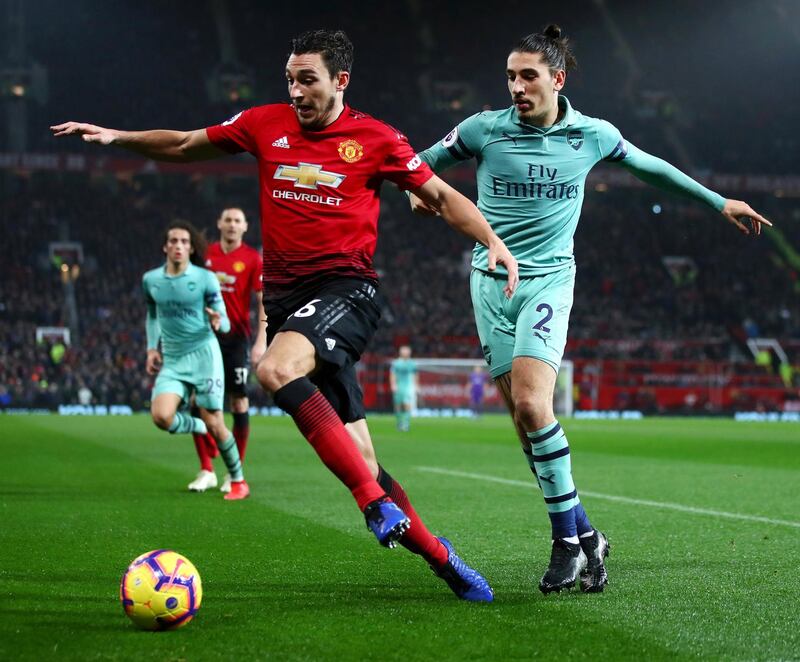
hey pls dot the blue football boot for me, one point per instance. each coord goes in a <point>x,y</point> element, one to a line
<point>466,583</point>
<point>386,521</point>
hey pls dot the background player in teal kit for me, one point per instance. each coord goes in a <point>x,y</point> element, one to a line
<point>533,159</point>
<point>403,381</point>
<point>184,308</point>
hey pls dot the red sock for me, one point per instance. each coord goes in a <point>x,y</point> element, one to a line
<point>417,539</point>
<point>324,430</point>
<point>241,432</point>
<point>211,446</point>
<point>202,452</point>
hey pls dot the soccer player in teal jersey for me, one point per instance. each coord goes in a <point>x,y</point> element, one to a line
<point>403,382</point>
<point>532,162</point>
<point>184,308</point>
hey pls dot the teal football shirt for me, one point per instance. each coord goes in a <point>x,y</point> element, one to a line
<point>404,371</point>
<point>531,180</point>
<point>176,309</point>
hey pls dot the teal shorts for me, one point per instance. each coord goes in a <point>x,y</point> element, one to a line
<point>403,396</point>
<point>533,322</point>
<point>200,371</point>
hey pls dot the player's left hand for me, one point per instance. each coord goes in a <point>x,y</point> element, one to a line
<point>499,253</point>
<point>214,318</point>
<point>737,211</point>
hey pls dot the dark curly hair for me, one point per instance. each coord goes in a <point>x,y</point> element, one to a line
<point>334,46</point>
<point>196,237</point>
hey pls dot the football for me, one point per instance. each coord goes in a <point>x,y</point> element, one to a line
<point>161,590</point>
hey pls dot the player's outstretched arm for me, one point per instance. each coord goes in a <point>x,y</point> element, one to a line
<point>461,214</point>
<point>158,144</point>
<point>667,177</point>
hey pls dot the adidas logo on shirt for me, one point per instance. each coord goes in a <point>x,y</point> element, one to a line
<point>281,142</point>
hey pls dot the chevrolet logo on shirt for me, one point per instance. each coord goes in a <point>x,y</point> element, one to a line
<point>308,175</point>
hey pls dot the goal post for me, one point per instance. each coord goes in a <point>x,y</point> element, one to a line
<point>453,384</point>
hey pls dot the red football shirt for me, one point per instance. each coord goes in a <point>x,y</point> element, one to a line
<point>319,189</point>
<point>239,274</point>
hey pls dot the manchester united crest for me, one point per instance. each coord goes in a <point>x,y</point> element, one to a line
<point>238,266</point>
<point>350,151</point>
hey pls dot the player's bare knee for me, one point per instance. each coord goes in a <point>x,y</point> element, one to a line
<point>162,420</point>
<point>240,405</point>
<point>532,412</point>
<point>272,375</point>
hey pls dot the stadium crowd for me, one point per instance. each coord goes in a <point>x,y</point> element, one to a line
<point>624,290</point>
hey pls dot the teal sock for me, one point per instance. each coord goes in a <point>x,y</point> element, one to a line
<point>407,419</point>
<point>230,455</point>
<point>551,463</point>
<point>182,423</point>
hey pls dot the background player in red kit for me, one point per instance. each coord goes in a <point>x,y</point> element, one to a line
<point>238,268</point>
<point>321,165</point>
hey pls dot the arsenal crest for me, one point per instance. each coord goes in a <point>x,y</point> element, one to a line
<point>575,139</point>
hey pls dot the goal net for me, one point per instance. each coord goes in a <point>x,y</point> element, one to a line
<point>465,385</point>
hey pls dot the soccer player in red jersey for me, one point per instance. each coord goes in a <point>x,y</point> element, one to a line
<point>238,268</point>
<point>321,165</point>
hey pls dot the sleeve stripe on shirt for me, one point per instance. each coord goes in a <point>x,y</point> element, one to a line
<point>460,150</point>
<point>456,154</point>
<point>618,153</point>
<point>464,148</point>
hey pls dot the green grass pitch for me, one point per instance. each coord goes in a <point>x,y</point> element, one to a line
<point>702,516</point>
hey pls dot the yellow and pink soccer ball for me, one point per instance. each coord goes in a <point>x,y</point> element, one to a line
<point>161,590</point>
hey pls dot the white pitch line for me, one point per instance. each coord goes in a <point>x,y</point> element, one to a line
<point>619,499</point>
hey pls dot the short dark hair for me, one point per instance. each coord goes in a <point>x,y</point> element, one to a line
<point>334,46</point>
<point>196,237</point>
<point>553,48</point>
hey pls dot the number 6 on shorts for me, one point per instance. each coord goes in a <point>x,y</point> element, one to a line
<point>308,310</point>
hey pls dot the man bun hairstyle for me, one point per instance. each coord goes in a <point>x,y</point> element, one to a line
<point>553,48</point>
<point>196,237</point>
<point>334,46</point>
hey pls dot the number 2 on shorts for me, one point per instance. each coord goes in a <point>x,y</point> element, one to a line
<point>540,325</point>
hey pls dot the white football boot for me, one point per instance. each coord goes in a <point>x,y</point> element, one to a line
<point>226,484</point>
<point>205,480</point>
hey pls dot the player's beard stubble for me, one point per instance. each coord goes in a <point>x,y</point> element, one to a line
<point>322,119</point>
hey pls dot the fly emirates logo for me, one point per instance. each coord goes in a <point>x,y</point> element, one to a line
<point>308,176</point>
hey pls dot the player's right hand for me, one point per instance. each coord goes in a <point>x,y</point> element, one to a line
<point>421,208</point>
<point>498,252</point>
<point>89,132</point>
<point>154,361</point>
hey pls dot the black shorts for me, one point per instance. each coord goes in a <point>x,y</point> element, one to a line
<point>339,318</point>
<point>236,360</point>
